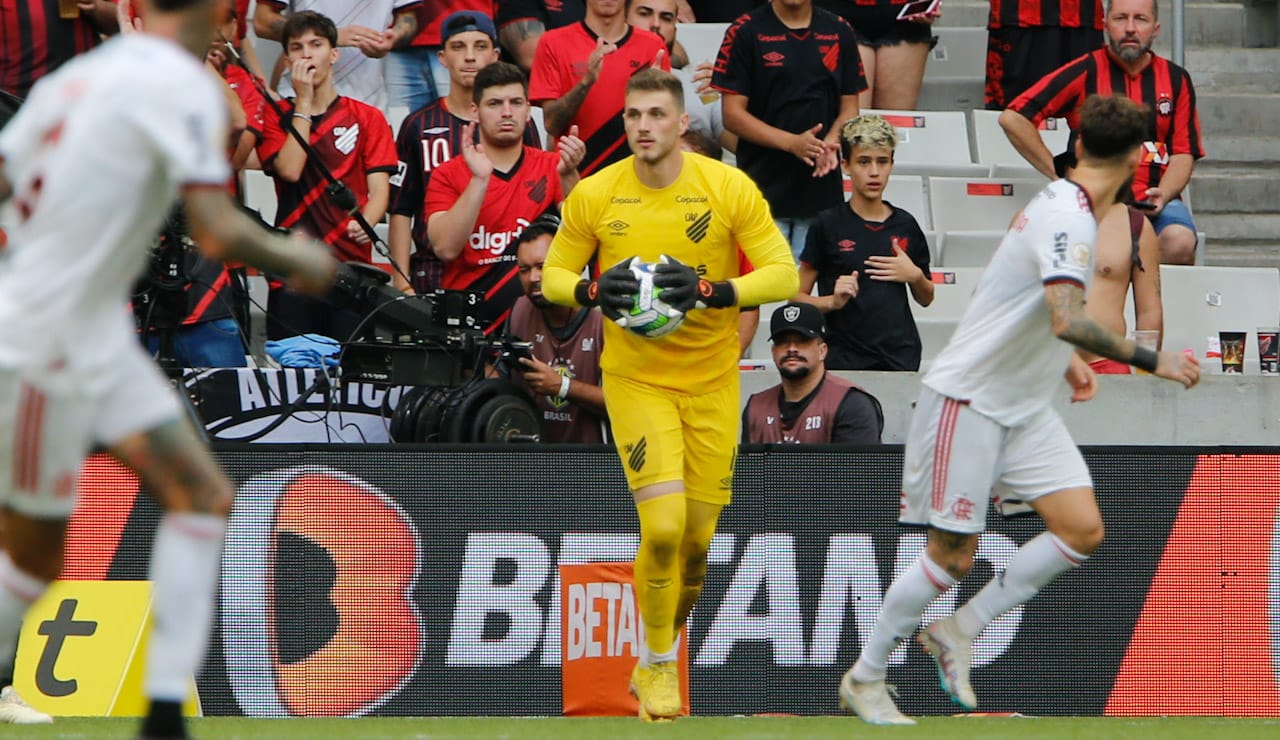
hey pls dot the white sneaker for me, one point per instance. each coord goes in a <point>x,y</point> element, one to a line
<point>871,701</point>
<point>954,656</point>
<point>15,711</point>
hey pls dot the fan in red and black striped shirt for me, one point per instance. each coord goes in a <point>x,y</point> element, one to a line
<point>36,41</point>
<point>350,139</point>
<point>1028,39</point>
<point>1127,66</point>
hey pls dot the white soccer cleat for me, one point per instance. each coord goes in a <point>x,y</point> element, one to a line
<point>871,701</point>
<point>15,711</point>
<point>954,656</point>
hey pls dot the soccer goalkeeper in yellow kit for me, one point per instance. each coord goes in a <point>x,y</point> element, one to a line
<point>673,401</point>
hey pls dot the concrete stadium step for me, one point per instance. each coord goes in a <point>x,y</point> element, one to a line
<point>1250,114</point>
<point>1235,187</point>
<point>1230,226</point>
<point>1220,71</point>
<point>1243,252</point>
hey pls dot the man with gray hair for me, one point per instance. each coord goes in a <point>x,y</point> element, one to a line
<point>1126,66</point>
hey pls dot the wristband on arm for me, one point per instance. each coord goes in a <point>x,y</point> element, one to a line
<point>718,294</point>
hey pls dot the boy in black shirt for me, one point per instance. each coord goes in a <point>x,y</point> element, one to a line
<point>861,254</point>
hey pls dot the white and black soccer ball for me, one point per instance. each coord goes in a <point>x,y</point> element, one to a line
<point>649,316</point>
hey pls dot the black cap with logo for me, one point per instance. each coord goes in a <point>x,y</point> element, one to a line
<point>803,318</point>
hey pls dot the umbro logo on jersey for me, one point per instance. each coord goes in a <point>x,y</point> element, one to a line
<point>345,138</point>
<point>618,227</point>
<point>537,189</point>
<point>846,245</point>
<point>435,130</point>
<point>774,59</point>
<point>697,230</point>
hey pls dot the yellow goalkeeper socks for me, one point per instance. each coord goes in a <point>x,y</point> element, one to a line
<point>657,570</point>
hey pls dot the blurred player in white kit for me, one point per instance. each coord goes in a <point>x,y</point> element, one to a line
<point>984,426</point>
<point>92,163</point>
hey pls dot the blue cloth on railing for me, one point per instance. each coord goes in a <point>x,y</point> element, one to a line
<point>305,350</point>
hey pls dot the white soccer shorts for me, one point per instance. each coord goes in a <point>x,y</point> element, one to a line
<point>49,421</point>
<point>957,460</point>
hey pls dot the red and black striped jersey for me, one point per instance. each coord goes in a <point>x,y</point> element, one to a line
<point>35,41</point>
<point>428,138</point>
<point>1060,13</point>
<point>1162,86</point>
<point>511,202</point>
<point>552,13</point>
<point>561,61</point>
<point>351,139</point>
<point>839,6</point>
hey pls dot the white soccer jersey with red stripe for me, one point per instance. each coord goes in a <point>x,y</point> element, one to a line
<point>1004,358</point>
<point>96,157</point>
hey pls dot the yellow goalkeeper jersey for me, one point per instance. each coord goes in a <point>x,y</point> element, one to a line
<point>701,219</point>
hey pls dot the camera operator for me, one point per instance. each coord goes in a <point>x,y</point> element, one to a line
<point>563,374</point>
<point>350,140</point>
<point>189,308</point>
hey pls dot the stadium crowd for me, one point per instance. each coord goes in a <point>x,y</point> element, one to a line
<point>789,75</point>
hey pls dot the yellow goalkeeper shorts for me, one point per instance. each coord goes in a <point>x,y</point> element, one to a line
<point>664,435</point>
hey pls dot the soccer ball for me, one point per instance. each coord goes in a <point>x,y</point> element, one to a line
<point>649,316</point>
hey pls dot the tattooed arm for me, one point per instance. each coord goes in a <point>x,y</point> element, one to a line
<point>520,39</point>
<point>1071,324</point>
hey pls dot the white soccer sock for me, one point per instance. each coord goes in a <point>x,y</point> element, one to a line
<point>18,591</point>
<point>184,569</point>
<point>1032,567</point>
<point>904,603</point>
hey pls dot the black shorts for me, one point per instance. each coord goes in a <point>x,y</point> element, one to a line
<point>878,25</point>
<point>1017,58</point>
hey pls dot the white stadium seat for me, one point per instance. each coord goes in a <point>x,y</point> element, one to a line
<point>969,248</point>
<point>952,289</point>
<point>991,146</point>
<point>1201,301</point>
<point>260,194</point>
<point>701,41</point>
<point>929,137</point>
<point>977,204</point>
<point>934,335</point>
<point>905,192</point>
<point>956,71</point>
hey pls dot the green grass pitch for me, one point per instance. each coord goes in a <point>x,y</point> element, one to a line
<point>695,728</point>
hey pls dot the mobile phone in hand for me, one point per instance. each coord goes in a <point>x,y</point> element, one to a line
<point>917,8</point>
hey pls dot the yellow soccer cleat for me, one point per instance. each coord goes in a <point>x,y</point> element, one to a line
<point>663,700</point>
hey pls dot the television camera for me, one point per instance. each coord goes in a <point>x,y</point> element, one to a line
<point>428,343</point>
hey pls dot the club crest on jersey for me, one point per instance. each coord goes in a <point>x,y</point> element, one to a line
<point>1164,106</point>
<point>588,344</point>
<point>1080,254</point>
<point>899,243</point>
<point>345,137</point>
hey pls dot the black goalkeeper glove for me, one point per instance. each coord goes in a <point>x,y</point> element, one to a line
<point>683,290</point>
<point>614,291</point>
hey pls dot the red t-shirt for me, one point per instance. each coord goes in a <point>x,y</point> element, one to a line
<point>511,202</point>
<point>561,61</point>
<point>352,139</point>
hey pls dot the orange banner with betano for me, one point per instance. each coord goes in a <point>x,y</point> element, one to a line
<point>601,637</point>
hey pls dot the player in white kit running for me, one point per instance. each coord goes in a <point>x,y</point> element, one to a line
<point>92,163</point>
<point>984,426</point>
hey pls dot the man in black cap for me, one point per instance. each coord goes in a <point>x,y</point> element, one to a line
<point>810,405</point>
